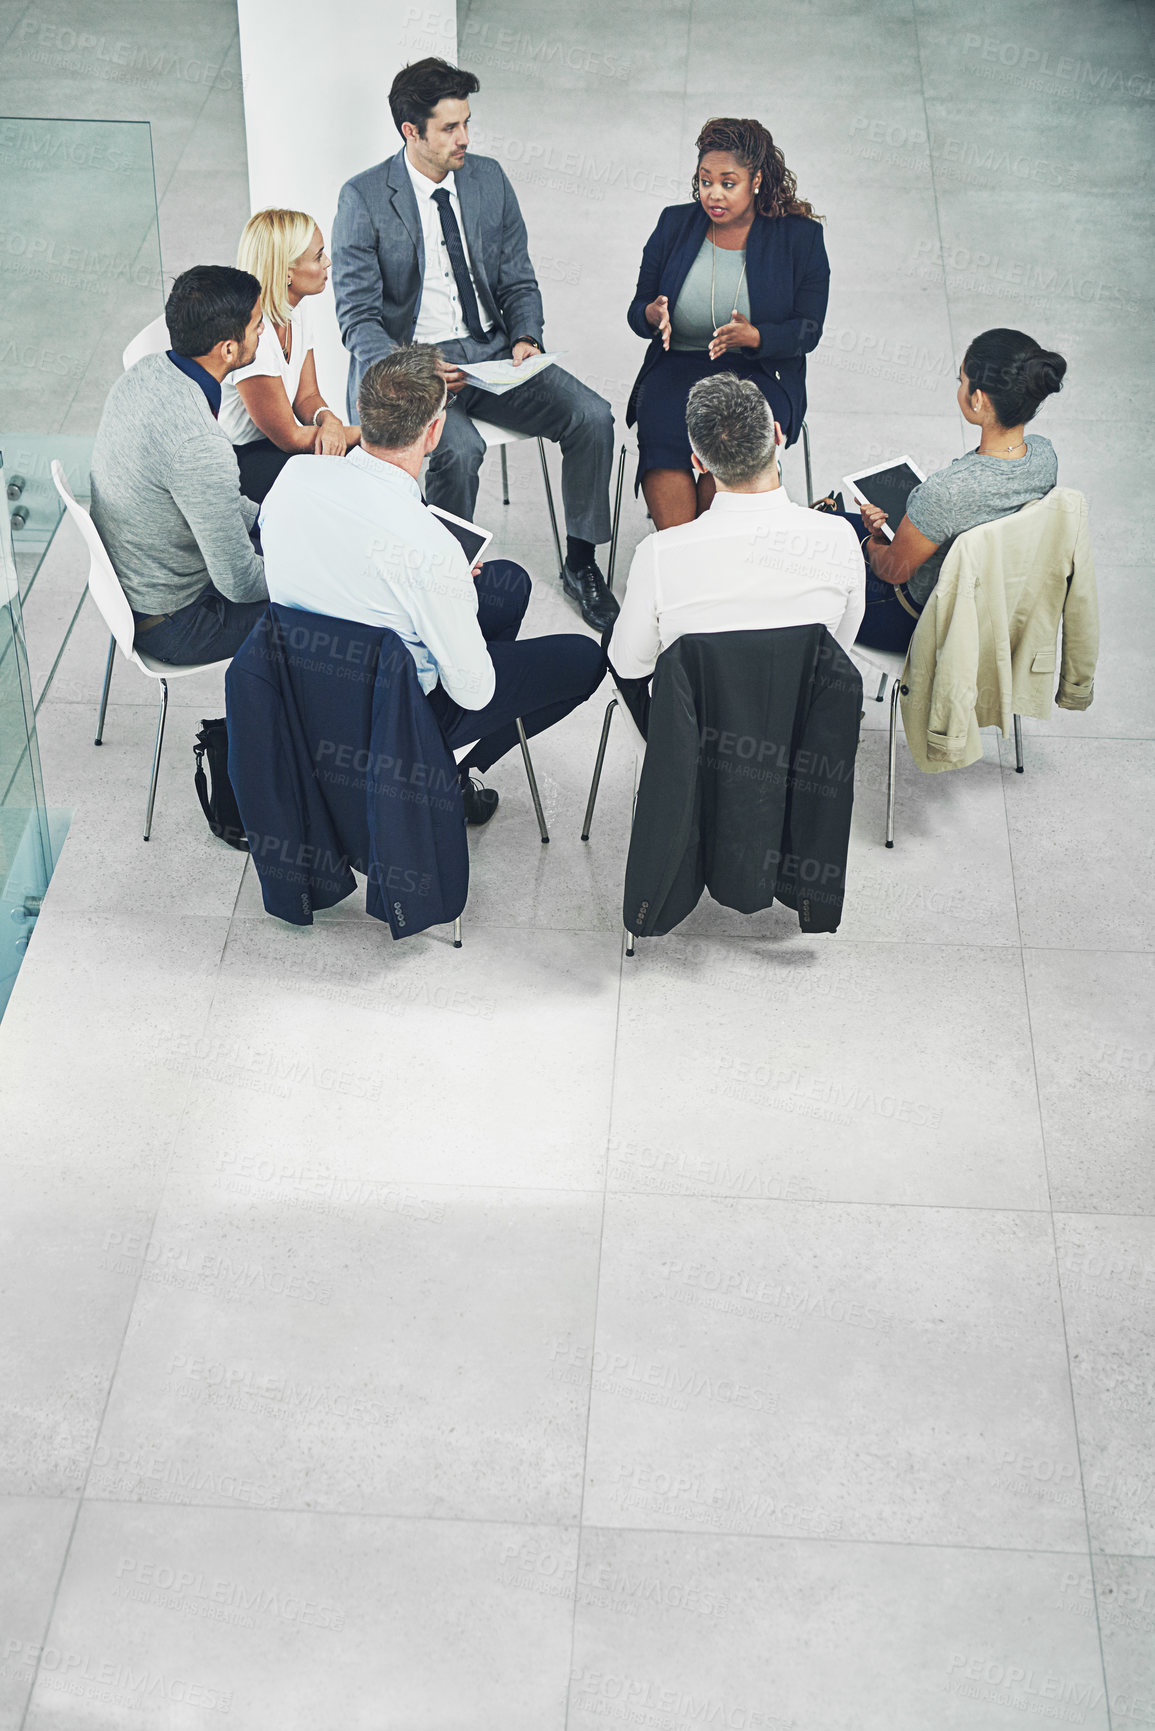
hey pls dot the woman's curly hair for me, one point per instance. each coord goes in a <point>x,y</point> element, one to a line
<point>749,142</point>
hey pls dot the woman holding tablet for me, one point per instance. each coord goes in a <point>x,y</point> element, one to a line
<point>272,408</point>
<point>1004,378</point>
<point>736,281</point>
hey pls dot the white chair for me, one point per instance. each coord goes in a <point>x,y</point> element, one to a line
<point>639,746</point>
<point>104,587</point>
<point>890,665</point>
<point>152,340</point>
<point>463,751</point>
<point>499,438</point>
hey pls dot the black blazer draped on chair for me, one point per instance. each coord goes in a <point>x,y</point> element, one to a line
<point>748,779</point>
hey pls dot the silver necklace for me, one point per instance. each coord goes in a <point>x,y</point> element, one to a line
<point>713,272</point>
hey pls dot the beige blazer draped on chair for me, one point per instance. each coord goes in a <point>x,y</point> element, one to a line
<point>984,649</point>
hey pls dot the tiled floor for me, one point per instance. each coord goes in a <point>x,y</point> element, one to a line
<point>757,1333</point>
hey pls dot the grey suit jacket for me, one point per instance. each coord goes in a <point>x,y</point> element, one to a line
<point>379,259</point>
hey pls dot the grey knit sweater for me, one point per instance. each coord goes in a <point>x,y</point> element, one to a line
<point>166,495</point>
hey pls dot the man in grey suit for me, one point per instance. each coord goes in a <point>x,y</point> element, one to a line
<point>430,247</point>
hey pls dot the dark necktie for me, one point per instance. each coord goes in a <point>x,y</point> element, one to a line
<point>452,237</point>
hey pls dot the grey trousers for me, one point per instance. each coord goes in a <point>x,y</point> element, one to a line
<point>554,405</point>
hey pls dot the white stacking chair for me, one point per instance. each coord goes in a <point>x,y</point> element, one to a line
<point>104,587</point>
<point>463,752</point>
<point>890,666</point>
<point>639,746</point>
<point>500,438</point>
<point>152,340</point>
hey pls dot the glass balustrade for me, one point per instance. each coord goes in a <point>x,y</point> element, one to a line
<point>80,275</point>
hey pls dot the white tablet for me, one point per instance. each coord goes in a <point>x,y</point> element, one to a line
<point>475,541</point>
<point>887,485</point>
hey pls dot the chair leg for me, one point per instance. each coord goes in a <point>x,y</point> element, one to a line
<point>99,740</point>
<point>504,477</point>
<point>617,518</point>
<point>160,720</point>
<point>1019,745</point>
<point>457,933</point>
<point>892,763</point>
<point>549,502</point>
<point>881,692</point>
<point>629,942</point>
<point>532,778</point>
<point>806,460</point>
<point>601,757</point>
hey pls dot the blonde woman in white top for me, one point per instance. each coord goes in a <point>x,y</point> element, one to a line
<point>272,409</point>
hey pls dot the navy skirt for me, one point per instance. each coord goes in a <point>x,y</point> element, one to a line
<point>662,439</point>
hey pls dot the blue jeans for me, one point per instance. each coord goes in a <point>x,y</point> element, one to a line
<point>211,628</point>
<point>538,681</point>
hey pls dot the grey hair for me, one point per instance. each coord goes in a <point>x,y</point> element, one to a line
<point>399,396</point>
<point>731,428</point>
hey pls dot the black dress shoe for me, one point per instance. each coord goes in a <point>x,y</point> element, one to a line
<point>589,589</point>
<point>480,802</point>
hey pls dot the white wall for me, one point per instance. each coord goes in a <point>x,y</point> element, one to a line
<point>316,85</point>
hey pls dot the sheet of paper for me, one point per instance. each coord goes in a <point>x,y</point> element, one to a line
<point>501,376</point>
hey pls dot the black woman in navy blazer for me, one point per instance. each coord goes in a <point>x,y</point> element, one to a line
<point>742,181</point>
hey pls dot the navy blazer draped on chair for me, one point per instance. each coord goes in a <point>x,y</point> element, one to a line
<point>339,765</point>
<point>788,281</point>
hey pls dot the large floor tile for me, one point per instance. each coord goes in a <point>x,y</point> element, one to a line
<point>286,1622</point>
<point>948,877</point>
<point>373,1354</point>
<point>35,1530</point>
<point>409,1062</point>
<point>863,1072</point>
<point>808,1369</point>
<point>1124,1602</point>
<point>106,866</point>
<point>691,1629</point>
<point>65,1298</point>
<point>96,988</point>
<point>1093,1028</point>
<point>1079,821</point>
<point>1107,1271</point>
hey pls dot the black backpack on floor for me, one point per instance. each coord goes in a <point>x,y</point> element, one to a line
<point>215,792</point>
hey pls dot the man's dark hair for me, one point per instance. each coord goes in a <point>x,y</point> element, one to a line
<point>210,304</point>
<point>417,90</point>
<point>400,395</point>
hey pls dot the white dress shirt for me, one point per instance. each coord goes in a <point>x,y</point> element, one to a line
<point>752,562</point>
<point>440,317</point>
<point>351,537</point>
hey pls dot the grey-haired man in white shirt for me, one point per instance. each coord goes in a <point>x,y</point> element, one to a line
<point>754,561</point>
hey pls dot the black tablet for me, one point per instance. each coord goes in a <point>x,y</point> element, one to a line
<point>888,485</point>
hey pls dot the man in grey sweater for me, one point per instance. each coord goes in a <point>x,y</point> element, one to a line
<point>166,495</point>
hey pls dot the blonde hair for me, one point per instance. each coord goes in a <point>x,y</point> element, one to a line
<point>271,241</point>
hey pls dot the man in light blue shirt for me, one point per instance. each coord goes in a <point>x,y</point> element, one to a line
<point>352,538</point>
